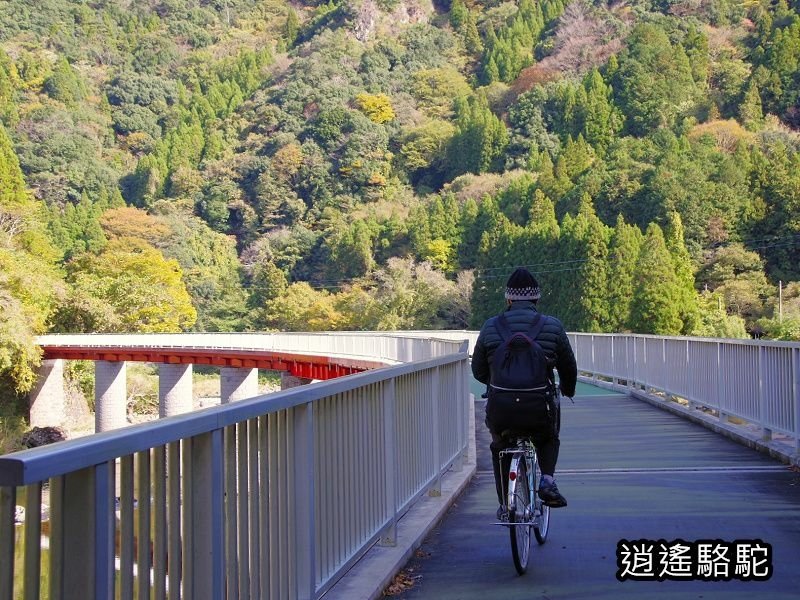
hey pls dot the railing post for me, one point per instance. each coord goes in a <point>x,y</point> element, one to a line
<point>692,404</point>
<point>389,536</point>
<point>206,567</point>
<point>33,536</point>
<point>766,432</point>
<point>436,487</point>
<point>615,372</point>
<point>104,531</point>
<point>7,504</point>
<point>462,404</point>
<point>796,396</point>
<point>303,502</point>
<point>78,556</point>
<point>717,385</point>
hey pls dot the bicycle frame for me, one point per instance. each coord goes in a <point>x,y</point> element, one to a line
<point>524,450</point>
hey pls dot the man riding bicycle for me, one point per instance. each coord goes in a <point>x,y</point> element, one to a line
<point>521,316</point>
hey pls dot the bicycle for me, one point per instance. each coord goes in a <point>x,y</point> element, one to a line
<point>523,507</point>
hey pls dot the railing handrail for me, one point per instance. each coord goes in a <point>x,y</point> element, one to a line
<point>275,480</point>
<point>37,464</point>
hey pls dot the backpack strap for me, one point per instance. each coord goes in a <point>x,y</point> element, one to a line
<point>536,326</point>
<point>503,328</point>
<point>501,324</point>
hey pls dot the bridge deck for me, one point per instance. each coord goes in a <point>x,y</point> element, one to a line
<point>628,471</point>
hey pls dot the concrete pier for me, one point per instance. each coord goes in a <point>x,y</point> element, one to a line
<point>237,384</point>
<point>174,389</point>
<point>110,395</point>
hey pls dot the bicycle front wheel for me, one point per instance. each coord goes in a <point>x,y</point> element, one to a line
<point>520,513</point>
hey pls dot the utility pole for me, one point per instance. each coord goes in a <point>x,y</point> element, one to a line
<point>780,301</point>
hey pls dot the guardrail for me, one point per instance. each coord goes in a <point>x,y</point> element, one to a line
<point>271,497</point>
<point>755,381</point>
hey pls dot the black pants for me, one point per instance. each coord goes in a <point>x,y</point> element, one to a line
<point>547,447</point>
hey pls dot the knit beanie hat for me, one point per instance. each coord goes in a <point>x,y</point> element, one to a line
<point>522,286</point>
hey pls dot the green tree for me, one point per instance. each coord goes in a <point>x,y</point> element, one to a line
<point>64,84</point>
<point>655,308</point>
<point>654,80</point>
<point>29,286</point>
<point>292,27</point>
<point>302,308</point>
<point>211,269</point>
<point>129,287</point>
<point>684,272</point>
<point>750,110</point>
<point>584,249</point>
<point>481,138</point>
<point>624,249</point>
<point>714,321</point>
<point>737,275</point>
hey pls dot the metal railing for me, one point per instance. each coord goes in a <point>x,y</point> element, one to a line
<point>755,381</point>
<point>271,497</point>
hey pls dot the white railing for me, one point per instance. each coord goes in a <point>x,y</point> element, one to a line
<point>271,497</point>
<point>757,382</point>
<point>379,346</point>
<point>754,381</point>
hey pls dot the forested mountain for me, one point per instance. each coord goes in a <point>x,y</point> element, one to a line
<point>224,165</point>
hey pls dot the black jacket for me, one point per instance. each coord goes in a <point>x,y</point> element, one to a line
<point>552,338</point>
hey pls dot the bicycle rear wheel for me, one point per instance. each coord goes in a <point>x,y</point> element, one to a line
<point>520,513</point>
<point>541,521</point>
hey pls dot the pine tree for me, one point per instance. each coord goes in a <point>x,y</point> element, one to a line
<point>684,272</point>
<point>459,14</point>
<point>590,255</point>
<point>750,111</point>
<point>624,248</point>
<point>472,39</point>
<point>471,230</point>
<point>541,239</point>
<point>292,27</point>
<point>601,121</point>
<point>656,293</point>
<point>496,259</point>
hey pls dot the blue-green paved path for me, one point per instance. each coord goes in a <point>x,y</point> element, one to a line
<point>628,471</point>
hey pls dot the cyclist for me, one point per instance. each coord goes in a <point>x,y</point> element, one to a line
<point>522,294</point>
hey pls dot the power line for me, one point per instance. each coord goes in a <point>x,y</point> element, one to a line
<point>786,241</point>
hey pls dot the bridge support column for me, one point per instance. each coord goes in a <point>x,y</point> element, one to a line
<point>289,381</point>
<point>174,389</point>
<point>237,384</point>
<point>47,397</point>
<point>110,395</point>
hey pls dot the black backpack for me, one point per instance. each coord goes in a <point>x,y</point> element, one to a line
<point>521,395</point>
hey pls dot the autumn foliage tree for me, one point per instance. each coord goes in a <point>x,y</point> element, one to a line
<point>129,287</point>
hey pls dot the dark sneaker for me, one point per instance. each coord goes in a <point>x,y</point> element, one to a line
<point>502,513</point>
<point>550,495</point>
